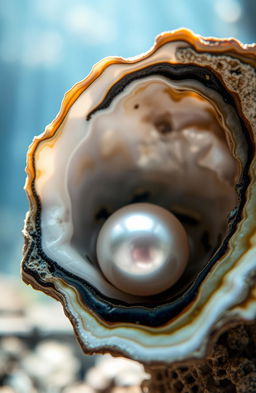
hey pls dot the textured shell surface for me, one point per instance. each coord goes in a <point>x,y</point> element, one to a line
<point>174,127</point>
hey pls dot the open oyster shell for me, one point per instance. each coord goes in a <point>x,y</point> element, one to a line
<point>173,127</point>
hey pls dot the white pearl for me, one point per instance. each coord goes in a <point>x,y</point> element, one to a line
<point>142,249</point>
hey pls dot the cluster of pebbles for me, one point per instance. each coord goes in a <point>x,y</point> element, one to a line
<point>39,354</point>
<point>53,367</point>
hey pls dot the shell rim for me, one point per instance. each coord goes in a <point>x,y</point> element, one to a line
<point>199,43</point>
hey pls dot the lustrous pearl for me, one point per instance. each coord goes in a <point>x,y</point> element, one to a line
<point>142,249</point>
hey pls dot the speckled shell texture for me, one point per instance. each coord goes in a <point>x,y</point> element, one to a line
<point>181,327</point>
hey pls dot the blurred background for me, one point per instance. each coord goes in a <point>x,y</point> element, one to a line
<point>45,47</point>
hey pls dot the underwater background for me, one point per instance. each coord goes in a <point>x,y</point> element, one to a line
<point>48,45</point>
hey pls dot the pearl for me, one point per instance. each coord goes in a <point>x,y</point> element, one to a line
<point>142,249</point>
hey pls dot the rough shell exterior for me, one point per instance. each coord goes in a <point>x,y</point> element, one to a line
<point>230,367</point>
<point>226,294</point>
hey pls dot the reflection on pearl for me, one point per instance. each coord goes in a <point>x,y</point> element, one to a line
<point>142,249</point>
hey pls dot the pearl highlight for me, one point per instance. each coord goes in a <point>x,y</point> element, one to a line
<point>142,249</point>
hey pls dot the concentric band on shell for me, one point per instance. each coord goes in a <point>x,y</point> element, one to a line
<point>182,114</point>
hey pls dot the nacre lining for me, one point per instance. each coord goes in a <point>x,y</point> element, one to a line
<point>146,130</point>
<point>130,155</point>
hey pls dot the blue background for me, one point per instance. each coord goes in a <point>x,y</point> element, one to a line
<point>48,45</point>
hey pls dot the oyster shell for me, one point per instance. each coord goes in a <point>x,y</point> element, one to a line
<point>174,127</point>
